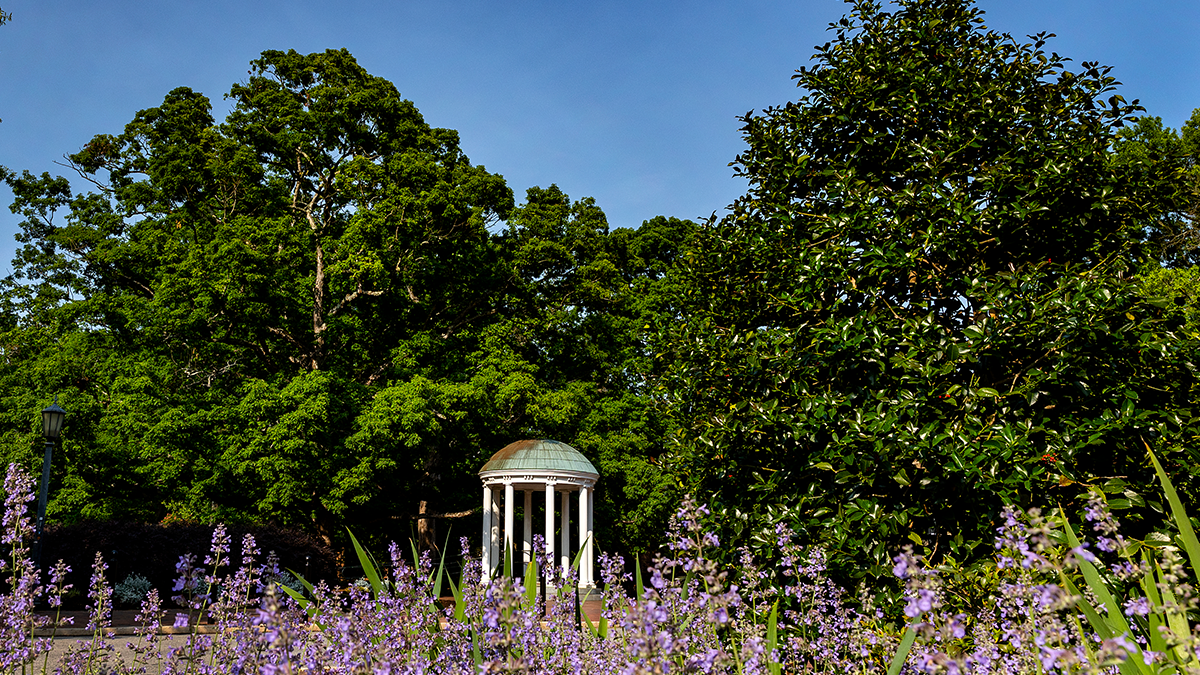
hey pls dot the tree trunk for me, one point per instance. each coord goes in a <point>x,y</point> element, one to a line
<point>426,528</point>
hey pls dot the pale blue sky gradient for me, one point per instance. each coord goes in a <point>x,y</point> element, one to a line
<point>633,103</point>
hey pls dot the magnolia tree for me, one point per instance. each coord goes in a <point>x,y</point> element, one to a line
<point>920,311</point>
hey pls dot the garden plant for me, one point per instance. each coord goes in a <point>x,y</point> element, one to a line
<point>691,614</point>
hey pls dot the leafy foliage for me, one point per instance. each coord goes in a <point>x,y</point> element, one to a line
<point>1178,288</point>
<point>1148,146</point>
<point>921,311</point>
<point>311,313</point>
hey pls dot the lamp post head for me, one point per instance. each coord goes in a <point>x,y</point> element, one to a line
<point>52,420</point>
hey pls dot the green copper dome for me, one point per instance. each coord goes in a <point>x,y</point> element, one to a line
<point>540,455</point>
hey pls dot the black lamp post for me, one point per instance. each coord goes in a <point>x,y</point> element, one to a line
<point>52,421</point>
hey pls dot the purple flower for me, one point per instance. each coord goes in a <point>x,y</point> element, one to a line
<point>1139,606</point>
<point>919,604</point>
<point>1082,552</point>
<point>18,492</point>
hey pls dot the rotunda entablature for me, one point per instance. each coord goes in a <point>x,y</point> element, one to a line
<point>536,480</point>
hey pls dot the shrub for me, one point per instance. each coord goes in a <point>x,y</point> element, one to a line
<point>152,549</point>
<point>133,590</point>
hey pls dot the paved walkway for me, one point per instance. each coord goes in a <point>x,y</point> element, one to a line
<point>124,625</point>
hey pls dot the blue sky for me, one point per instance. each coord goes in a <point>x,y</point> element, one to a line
<point>633,103</point>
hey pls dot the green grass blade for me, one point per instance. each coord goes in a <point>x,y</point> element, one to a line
<point>437,579</point>
<point>1178,623</point>
<point>1115,618</point>
<point>1087,644</point>
<point>297,596</point>
<point>1190,544</point>
<point>310,607</point>
<point>1133,665</point>
<point>459,603</point>
<point>583,617</point>
<point>1155,619</point>
<point>603,617</point>
<point>531,579</point>
<point>773,667</point>
<point>906,643</point>
<point>1148,581</point>
<point>368,566</point>
<point>304,582</point>
<point>637,579</point>
<point>579,554</point>
<point>1098,623</point>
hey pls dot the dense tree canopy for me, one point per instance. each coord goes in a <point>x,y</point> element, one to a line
<point>954,283</point>
<point>313,313</point>
<point>1173,232</point>
<point>921,308</point>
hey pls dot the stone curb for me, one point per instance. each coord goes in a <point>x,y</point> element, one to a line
<point>71,631</point>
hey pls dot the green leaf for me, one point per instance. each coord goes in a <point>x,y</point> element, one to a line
<point>531,583</point>
<point>476,653</point>
<point>602,627</point>
<point>1102,628</point>
<point>1115,617</point>
<point>773,667</point>
<point>1178,623</point>
<point>906,643</point>
<point>1179,515</point>
<point>460,604</point>
<point>368,566</point>
<point>437,579</point>
<point>297,596</point>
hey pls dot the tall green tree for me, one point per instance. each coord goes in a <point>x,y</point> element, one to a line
<point>920,310</point>
<point>1173,233</point>
<point>318,312</point>
<point>579,313</point>
<point>272,271</point>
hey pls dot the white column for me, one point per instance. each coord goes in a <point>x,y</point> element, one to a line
<point>591,533</point>
<point>583,533</point>
<point>527,542</point>
<point>549,523</point>
<point>494,535</point>
<point>486,539</point>
<point>565,556</point>
<point>508,528</point>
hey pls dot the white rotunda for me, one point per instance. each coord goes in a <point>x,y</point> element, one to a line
<point>538,466</point>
